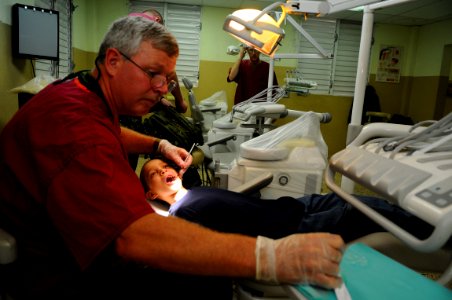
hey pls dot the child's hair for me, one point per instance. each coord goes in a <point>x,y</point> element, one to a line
<point>143,177</point>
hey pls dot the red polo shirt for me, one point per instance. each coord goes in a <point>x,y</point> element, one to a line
<point>64,173</point>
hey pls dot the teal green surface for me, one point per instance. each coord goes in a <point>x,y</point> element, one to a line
<point>370,275</point>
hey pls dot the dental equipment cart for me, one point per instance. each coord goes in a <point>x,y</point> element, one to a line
<point>294,153</point>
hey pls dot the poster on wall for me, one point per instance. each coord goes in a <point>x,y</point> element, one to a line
<point>389,64</point>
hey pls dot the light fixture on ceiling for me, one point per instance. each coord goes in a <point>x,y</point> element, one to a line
<point>259,30</point>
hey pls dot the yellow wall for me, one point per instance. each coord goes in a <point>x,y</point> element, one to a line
<point>403,37</point>
<point>83,60</point>
<point>91,20</point>
<point>430,48</point>
<point>421,93</point>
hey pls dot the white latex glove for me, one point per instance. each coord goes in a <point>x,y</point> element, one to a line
<point>300,258</point>
<point>179,155</point>
<point>165,102</point>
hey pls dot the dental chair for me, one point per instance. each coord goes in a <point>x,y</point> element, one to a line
<point>245,121</point>
<point>234,159</point>
<point>294,153</point>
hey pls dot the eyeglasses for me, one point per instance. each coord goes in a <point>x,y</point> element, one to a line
<point>157,80</point>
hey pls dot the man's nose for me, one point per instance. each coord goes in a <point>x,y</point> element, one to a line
<point>163,90</point>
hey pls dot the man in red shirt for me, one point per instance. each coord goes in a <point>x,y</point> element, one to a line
<point>251,75</point>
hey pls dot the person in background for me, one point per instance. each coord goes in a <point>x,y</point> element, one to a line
<point>83,227</point>
<point>275,218</point>
<point>371,104</point>
<point>251,75</point>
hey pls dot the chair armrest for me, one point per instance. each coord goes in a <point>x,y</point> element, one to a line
<point>254,185</point>
<point>222,140</point>
<point>213,110</point>
<point>381,116</point>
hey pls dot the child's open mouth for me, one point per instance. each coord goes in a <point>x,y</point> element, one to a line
<point>170,178</point>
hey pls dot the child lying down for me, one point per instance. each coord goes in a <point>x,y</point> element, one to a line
<point>228,211</point>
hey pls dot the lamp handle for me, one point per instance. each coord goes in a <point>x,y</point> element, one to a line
<point>283,15</point>
<point>267,9</point>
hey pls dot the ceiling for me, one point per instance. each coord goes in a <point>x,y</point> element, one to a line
<point>412,13</point>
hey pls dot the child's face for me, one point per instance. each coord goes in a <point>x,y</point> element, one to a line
<point>161,179</point>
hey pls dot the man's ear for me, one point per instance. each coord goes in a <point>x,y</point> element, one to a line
<point>113,61</point>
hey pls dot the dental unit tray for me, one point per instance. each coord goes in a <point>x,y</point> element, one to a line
<point>294,79</point>
<point>263,109</point>
<point>412,170</point>
<point>295,83</point>
<point>300,83</point>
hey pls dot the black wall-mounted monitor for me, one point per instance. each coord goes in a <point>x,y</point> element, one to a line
<point>34,32</point>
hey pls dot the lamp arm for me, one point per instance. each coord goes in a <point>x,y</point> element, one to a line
<point>340,5</point>
<point>309,37</point>
<point>324,7</point>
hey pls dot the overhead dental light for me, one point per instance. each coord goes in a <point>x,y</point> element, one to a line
<point>259,30</point>
<point>256,28</point>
